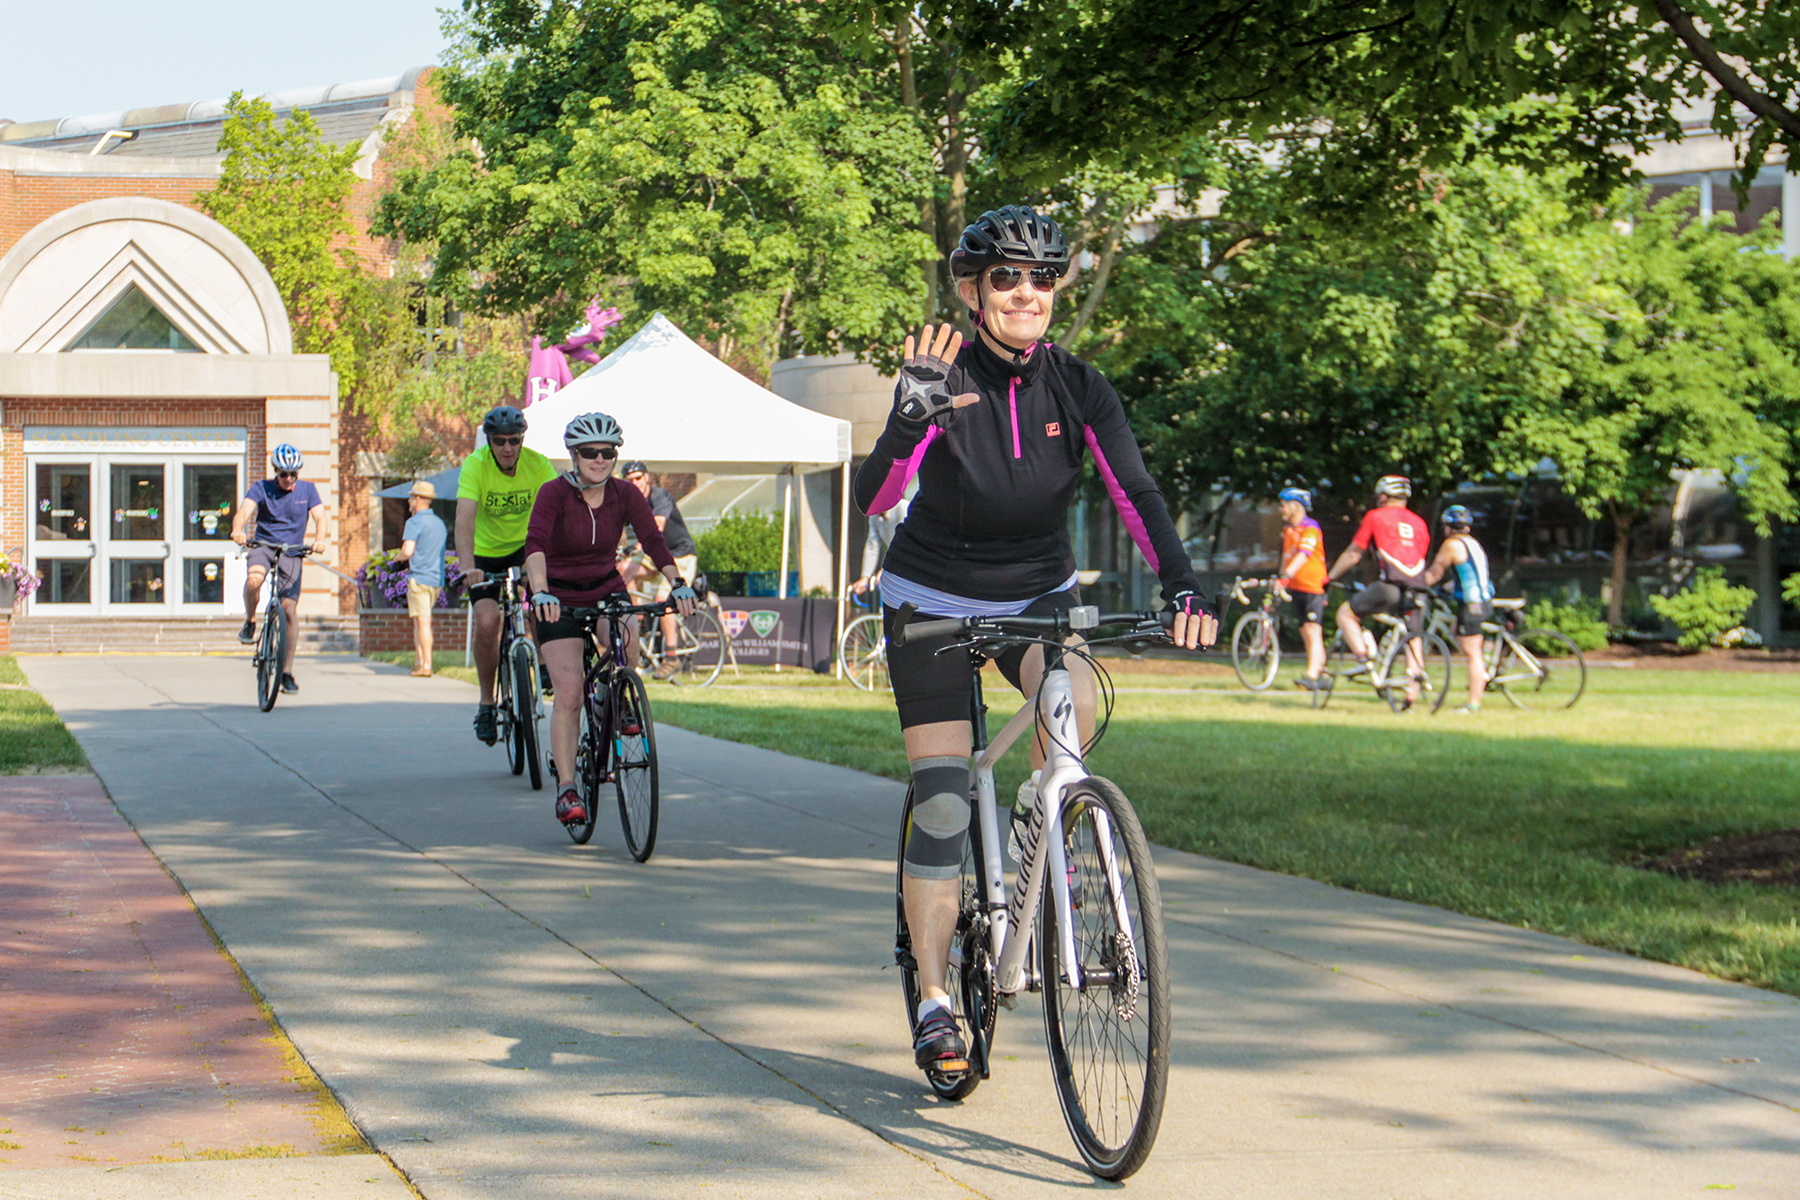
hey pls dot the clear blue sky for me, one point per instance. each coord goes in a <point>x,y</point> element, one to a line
<point>103,56</point>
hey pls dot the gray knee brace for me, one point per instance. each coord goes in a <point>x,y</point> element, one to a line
<point>940,818</point>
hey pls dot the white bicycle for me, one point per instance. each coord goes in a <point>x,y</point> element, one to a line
<point>1083,922</point>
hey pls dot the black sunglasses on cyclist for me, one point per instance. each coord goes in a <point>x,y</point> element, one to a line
<point>1005,279</point>
<point>287,474</point>
<point>590,453</point>
<point>507,441</point>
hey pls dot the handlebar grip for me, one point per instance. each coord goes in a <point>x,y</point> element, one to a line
<point>928,629</point>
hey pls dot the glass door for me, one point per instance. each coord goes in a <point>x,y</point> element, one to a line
<point>137,550</point>
<point>211,572</point>
<point>63,537</point>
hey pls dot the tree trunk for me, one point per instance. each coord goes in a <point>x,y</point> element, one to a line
<point>1615,604</point>
<point>1109,252</point>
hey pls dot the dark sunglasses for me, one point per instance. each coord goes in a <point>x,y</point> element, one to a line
<point>287,474</point>
<point>1005,279</point>
<point>507,441</point>
<point>590,453</point>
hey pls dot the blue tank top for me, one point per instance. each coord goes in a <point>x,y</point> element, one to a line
<point>1472,582</point>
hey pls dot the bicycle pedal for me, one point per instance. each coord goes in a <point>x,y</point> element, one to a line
<point>950,1066</point>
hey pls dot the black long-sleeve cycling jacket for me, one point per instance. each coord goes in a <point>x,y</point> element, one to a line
<point>990,520</point>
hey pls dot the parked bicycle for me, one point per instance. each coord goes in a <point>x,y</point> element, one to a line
<point>518,707</point>
<point>1532,668</point>
<point>617,739</point>
<point>1083,922</point>
<point>1387,669</point>
<point>862,648</point>
<point>272,643</point>
<point>701,646</point>
<point>1256,639</point>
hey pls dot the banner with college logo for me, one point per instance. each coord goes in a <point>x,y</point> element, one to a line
<point>794,633</point>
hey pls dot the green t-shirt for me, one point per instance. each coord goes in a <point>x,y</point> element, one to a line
<point>502,502</point>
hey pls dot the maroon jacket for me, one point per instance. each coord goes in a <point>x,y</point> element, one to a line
<point>580,545</point>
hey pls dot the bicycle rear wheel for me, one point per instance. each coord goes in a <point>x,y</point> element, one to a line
<point>863,651</point>
<point>634,764</point>
<point>590,760</point>
<point>524,717</point>
<point>969,975</point>
<point>1548,671</point>
<point>1109,1034</point>
<point>1255,652</point>
<point>271,652</point>
<point>699,651</point>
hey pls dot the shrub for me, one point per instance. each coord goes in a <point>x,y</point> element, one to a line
<point>381,575</point>
<point>741,541</point>
<point>1708,610</point>
<point>1581,621</point>
<point>1790,589</point>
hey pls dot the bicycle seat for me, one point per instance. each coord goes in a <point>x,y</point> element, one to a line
<point>1508,605</point>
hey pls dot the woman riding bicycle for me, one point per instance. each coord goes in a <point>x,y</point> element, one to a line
<point>996,432</point>
<point>571,553</point>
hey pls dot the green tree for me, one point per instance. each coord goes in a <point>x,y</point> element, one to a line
<point>737,165</point>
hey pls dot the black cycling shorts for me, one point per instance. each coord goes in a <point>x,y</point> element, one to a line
<point>1309,607</point>
<point>1389,598</point>
<point>930,687</point>
<point>286,566</point>
<point>496,567</point>
<point>1468,621</point>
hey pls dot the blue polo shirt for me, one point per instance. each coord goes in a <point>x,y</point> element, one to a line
<point>425,530</point>
<point>281,516</point>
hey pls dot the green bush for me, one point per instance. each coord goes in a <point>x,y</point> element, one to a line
<point>741,541</point>
<point>1708,610</point>
<point>1581,621</point>
<point>1790,589</point>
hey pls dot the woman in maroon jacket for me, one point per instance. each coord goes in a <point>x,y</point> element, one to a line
<point>571,558</point>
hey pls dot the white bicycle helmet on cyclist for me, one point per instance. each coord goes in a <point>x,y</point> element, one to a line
<point>591,428</point>
<point>285,457</point>
<point>1398,486</point>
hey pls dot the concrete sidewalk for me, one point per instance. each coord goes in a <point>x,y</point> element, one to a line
<point>506,1014</point>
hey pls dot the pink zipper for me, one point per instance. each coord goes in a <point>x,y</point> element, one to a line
<point>1013,395</point>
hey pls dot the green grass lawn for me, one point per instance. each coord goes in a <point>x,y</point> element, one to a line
<point>32,738</point>
<point>1535,819</point>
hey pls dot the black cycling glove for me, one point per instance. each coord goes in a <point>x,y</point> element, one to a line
<point>1191,603</point>
<point>922,394</point>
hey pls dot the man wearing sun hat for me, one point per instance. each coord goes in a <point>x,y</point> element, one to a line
<point>423,550</point>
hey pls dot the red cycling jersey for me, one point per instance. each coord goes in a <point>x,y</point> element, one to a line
<point>1401,539</point>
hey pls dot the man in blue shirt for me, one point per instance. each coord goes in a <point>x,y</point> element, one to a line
<point>287,511</point>
<point>423,551</point>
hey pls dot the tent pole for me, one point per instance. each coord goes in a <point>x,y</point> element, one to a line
<point>787,524</point>
<point>843,573</point>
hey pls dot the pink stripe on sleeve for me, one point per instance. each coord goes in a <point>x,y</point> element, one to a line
<point>894,486</point>
<point>1134,521</point>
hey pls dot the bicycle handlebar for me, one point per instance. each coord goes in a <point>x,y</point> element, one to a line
<point>1075,620</point>
<point>280,548</point>
<point>618,610</point>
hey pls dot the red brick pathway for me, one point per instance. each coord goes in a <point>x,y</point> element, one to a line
<point>125,1035</point>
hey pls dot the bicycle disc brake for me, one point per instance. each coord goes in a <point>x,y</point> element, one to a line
<point>1125,976</point>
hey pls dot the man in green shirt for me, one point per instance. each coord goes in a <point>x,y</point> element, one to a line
<point>494,494</point>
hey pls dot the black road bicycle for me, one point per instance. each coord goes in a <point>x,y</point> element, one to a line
<point>272,642</point>
<point>518,708</point>
<point>617,739</point>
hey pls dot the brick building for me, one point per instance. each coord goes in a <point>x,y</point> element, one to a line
<point>147,364</point>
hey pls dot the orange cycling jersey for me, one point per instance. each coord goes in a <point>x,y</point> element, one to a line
<point>1308,539</point>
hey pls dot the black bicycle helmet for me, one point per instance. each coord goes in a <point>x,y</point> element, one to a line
<point>1013,234</point>
<point>504,420</point>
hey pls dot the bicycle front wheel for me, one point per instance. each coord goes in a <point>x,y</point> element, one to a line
<point>863,651</point>
<point>968,974</point>
<point>1255,653</point>
<point>699,651</point>
<point>1541,669</point>
<point>506,715</point>
<point>1437,672</point>
<point>1108,1029</point>
<point>271,652</point>
<point>634,764</point>
<point>524,717</point>
<point>590,762</point>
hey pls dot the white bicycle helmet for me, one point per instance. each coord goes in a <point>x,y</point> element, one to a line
<point>592,427</point>
<point>285,457</point>
<point>1398,486</point>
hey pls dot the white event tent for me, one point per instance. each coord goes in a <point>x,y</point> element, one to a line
<point>683,410</point>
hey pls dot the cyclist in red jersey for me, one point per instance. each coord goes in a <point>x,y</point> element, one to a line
<point>1401,539</point>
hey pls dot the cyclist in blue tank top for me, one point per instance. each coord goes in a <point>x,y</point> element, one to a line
<point>1462,558</point>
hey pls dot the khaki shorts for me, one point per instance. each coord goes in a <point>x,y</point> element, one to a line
<point>420,599</point>
<point>686,565</point>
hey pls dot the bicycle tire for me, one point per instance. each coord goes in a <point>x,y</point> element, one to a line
<point>634,764</point>
<point>1109,1038</point>
<point>271,653</point>
<point>969,975</point>
<point>1438,670</point>
<point>590,762</point>
<point>1337,664</point>
<point>863,651</point>
<point>505,720</point>
<point>1550,685</point>
<point>1255,651</point>
<point>524,717</point>
<point>699,636</point>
